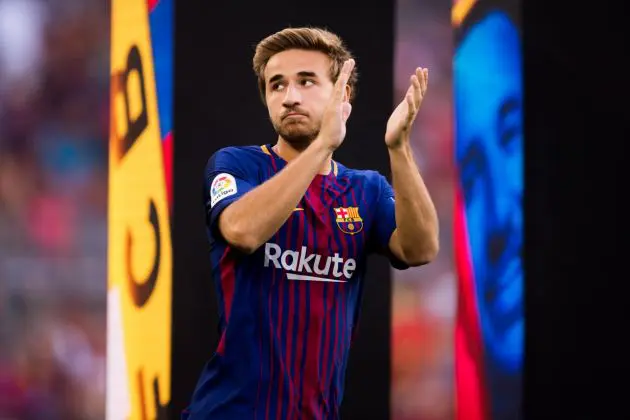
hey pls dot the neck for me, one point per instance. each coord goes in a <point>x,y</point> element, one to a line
<point>288,152</point>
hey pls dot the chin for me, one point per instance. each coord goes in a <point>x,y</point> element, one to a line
<point>298,138</point>
<point>505,348</point>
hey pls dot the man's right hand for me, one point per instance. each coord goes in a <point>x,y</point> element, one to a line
<point>333,129</point>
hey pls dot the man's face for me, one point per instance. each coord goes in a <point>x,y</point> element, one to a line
<point>489,147</point>
<point>298,89</point>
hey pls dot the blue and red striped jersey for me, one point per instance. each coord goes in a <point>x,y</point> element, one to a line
<point>289,310</point>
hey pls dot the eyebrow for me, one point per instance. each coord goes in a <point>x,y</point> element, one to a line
<point>277,77</point>
<point>508,128</point>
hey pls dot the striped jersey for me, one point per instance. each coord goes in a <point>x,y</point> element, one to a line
<point>288,311</point>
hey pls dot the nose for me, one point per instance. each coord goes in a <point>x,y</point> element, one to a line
<point>292,97</point>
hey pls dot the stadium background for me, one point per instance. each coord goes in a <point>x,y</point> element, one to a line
<point>55,73</point>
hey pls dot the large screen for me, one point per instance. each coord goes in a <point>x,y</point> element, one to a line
<point>140,196</point>
<point>488,101</point>
<point>458,323</point>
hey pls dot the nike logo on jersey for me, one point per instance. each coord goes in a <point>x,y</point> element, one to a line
<point>300,265</point>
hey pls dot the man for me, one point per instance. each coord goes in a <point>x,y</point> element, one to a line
<point>489,148</point>
<point>290,230</point>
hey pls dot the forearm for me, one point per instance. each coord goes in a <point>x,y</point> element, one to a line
<point>416,217</point>
<point>254,218</point>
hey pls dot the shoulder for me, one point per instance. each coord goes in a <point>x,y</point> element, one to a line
<point>236,153</point>
<point>239,158</point>
<point>366,177</point>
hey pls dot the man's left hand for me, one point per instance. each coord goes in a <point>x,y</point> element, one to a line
<point>401,120</point>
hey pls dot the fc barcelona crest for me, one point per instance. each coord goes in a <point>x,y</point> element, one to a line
<point>348,220</point>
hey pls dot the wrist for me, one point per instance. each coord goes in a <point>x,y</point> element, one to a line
<point>320,146</point>
<point>402,146</point>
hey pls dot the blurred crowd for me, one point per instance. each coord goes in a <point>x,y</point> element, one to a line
<point>53,208</point>
<point>53,213</point>
<point>424,298</point>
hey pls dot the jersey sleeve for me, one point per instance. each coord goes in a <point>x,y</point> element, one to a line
<point>227,178</point>
<point>385,221</point>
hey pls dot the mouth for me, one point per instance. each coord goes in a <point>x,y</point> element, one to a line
<point>293,115</point>
<point>505,290</point>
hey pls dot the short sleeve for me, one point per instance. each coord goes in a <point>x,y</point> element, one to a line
<point>227,178</point>
<point>385,221</point>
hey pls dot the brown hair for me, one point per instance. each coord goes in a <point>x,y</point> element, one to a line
<point>314,39</point>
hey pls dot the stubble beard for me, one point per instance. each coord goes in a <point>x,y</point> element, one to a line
<point>299,136</point>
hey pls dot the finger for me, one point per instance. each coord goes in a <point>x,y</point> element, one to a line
<point>342,80</point>
<point>411,88</point>
<point>417,90</point>
<point>419,73</point>
<point>411,112</point>
<point>421,80</point>
<point>424,80</point>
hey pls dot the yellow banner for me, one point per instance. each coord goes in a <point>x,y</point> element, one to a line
<point>140,256</point>
<point>460,10</point>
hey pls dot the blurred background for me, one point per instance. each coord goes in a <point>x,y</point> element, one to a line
<point>424,298</point>
<point>54,81</point>
<point>54,75</point>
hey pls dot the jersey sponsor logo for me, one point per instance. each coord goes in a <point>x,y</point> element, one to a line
<point>300,265</point>
<point>348,220</point>
<point>223,185</point>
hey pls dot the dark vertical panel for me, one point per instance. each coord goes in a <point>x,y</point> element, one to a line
<point>575,132</point>
<point>216,105</point>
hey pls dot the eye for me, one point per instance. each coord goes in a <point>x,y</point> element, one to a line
<point>472,165</point>
<point>277,86</point>
<point>509,125</point>
<point>307,82</point>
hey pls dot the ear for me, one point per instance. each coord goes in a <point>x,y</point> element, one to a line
<point>346,96</point>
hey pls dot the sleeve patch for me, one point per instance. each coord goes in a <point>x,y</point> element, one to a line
<point>223,185</point>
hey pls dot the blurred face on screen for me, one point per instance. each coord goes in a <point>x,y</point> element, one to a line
<point>298,88</point>
<point>488,89</point>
